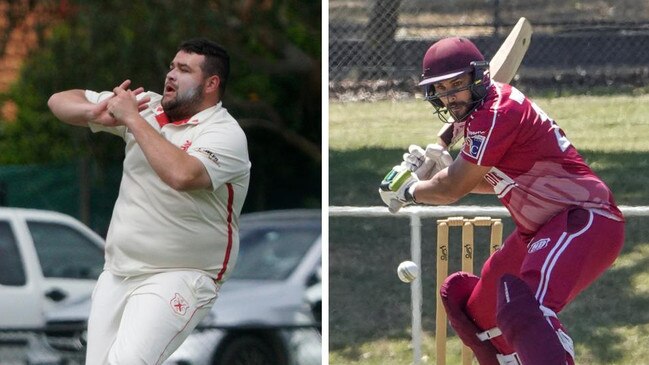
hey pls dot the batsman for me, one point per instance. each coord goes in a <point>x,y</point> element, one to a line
<point>568,229</point>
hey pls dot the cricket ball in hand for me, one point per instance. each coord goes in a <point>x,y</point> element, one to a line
<point>407,271</point>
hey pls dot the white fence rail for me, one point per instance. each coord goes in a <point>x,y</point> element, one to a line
<point>415,213</point>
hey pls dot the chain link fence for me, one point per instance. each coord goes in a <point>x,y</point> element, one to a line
<point>380,43</point>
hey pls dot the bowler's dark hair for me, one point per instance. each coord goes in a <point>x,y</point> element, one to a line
<point>217,61</point>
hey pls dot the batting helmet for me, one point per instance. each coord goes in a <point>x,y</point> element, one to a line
<point>451,57</point>
<point>448,58</point>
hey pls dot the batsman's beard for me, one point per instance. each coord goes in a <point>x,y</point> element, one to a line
<point>461,112</point>
<point>458,110</point>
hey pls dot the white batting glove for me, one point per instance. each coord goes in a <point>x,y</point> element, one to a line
<point>426,163</point>
<point>397,188</point>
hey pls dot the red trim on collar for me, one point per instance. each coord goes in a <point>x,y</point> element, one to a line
<point>163,120</point>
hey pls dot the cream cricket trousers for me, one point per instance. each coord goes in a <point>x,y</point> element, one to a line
<point>142,320</point>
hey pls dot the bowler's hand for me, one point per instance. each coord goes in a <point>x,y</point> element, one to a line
<point>114,110</point>
<point>124,106</point>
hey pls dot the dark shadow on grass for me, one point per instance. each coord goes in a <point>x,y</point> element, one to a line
<point>368,302</point>
<point>354,176</point>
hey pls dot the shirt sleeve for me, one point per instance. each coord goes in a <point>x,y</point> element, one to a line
<point>97,97</point>
<point>224,153</point>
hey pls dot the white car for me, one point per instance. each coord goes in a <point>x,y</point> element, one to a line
<point>267,312</point>
<point>48,261</point>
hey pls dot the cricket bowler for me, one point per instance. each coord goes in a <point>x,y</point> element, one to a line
<point>568,229</point>
<point>174,233</point>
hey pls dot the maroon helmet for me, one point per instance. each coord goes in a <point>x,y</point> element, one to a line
<point>448,58</point>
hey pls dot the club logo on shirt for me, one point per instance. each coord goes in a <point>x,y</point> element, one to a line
<point>209,154</point>
<point>186,145</point>
<point>473,145</point>
<point>179,305</point>
<point>538,245</point>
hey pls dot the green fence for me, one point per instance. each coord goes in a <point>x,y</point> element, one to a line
<point>86,192</point>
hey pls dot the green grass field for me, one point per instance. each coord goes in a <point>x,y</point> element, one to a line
<point>369,308</point>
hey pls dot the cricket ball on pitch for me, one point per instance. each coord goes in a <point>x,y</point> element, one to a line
<point>407,271</point>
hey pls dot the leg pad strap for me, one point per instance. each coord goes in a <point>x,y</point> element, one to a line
<point>489,334</point>
<point>511,359</point>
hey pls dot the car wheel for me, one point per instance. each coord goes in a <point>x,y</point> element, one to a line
<point>247,350</point>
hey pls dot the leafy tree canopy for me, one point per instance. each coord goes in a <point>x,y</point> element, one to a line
<point>274,88</point>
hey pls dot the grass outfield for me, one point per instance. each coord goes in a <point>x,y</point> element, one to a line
<point>369,308</point>
<point>611,123</point>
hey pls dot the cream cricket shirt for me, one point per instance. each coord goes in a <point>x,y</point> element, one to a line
<point>155,228</point>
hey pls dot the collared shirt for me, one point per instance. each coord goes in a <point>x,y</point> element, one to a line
<point>536,171</point>
<point>155,228</point>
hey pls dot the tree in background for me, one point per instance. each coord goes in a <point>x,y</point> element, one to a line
<point>274,89</point>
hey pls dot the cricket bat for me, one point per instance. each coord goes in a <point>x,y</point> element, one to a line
<point>502,68</point>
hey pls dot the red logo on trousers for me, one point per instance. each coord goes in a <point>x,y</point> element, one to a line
<point>179,304</point>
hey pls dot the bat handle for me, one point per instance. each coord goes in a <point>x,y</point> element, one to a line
<point>445,135</point>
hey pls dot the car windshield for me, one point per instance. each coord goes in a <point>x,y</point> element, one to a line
<point>272,253</point>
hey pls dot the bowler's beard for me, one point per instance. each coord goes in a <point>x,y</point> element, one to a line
<point>184,105</point>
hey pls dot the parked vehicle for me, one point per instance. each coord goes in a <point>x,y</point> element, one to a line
<point>267,312</point>
<point>48,261</point>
